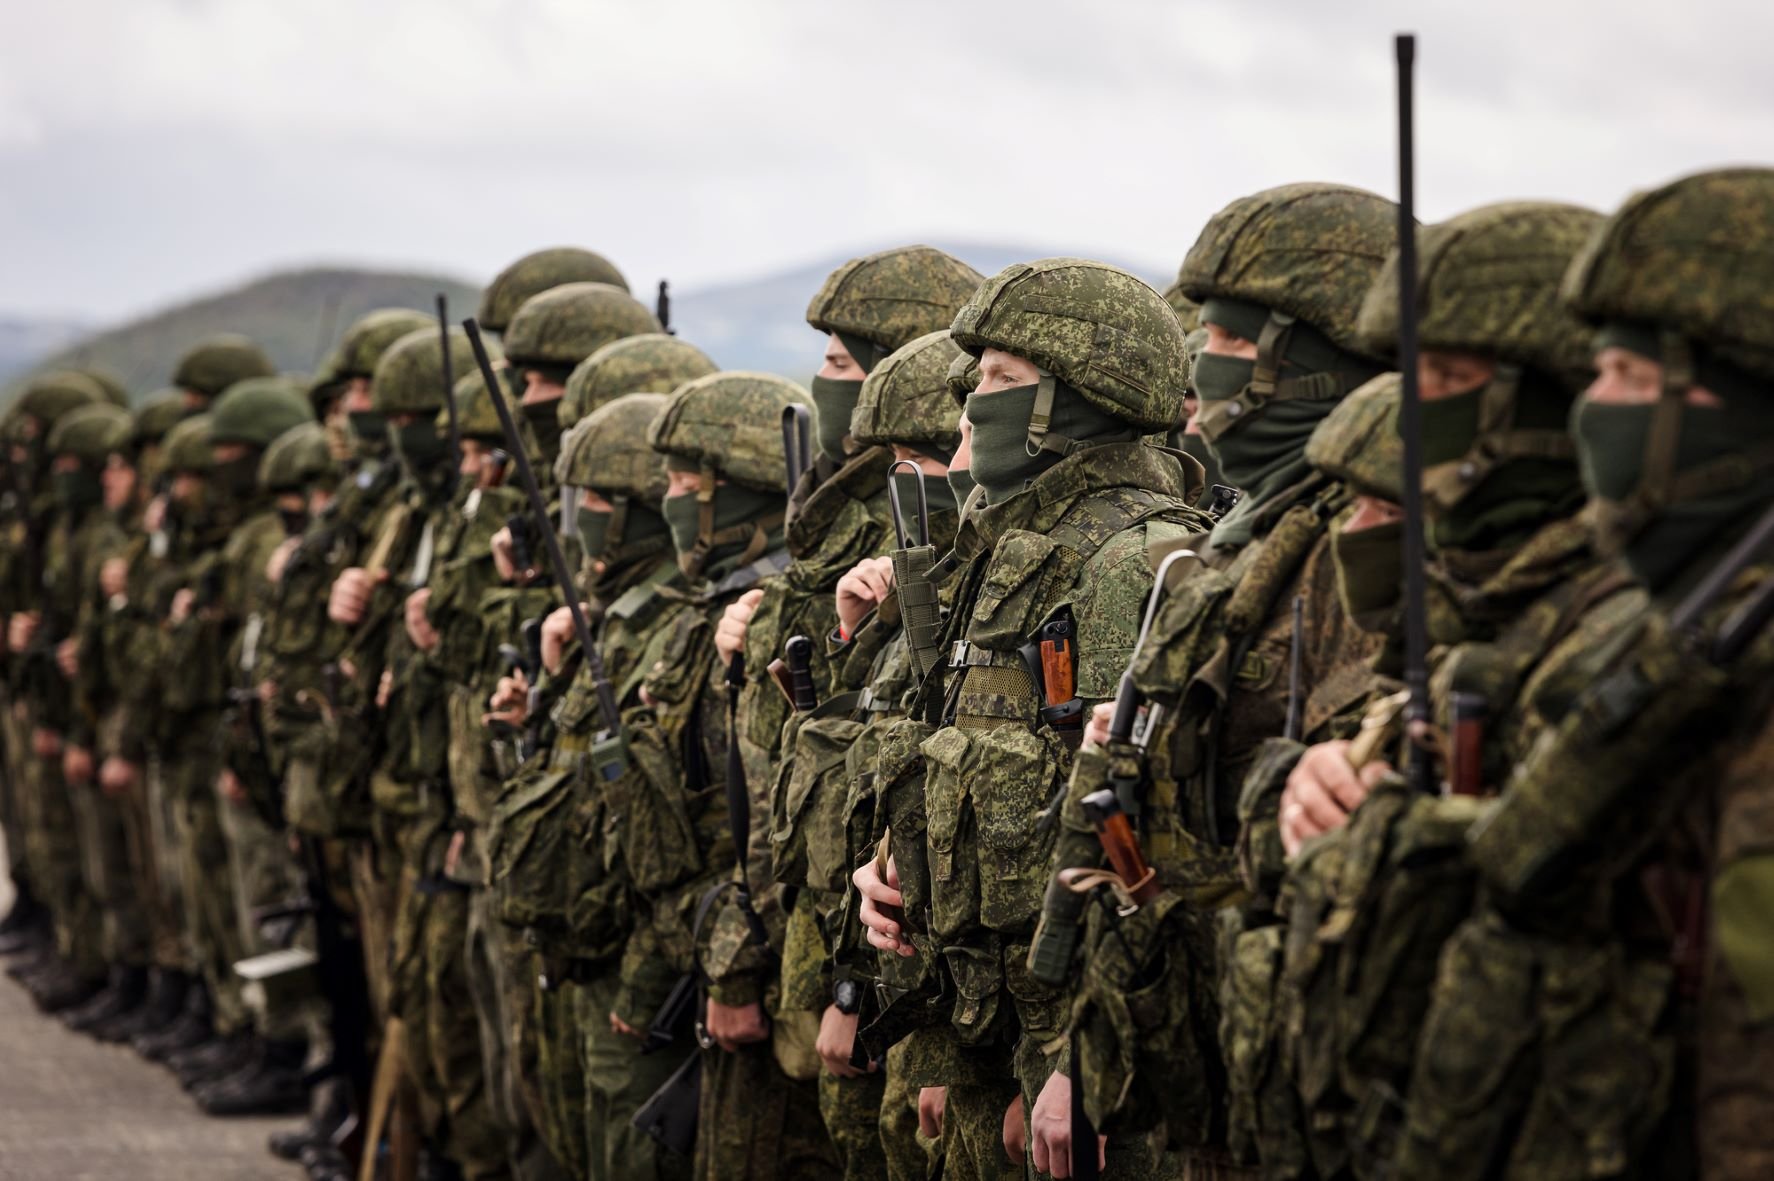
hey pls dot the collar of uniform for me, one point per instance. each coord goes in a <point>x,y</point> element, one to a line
<point>1052,494</point>
<point>863,477</point>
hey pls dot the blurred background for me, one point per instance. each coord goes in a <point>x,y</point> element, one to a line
<point>173,168</point>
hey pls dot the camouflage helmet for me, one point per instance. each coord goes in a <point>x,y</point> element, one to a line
<point>650,363</point>
<point>49,397</point>
<point>1358,444</point>
<point>602,451</point>
<point>1310,251</point>
<point>371,335</point>
<point>90,432</point>
<point>158,414</point>
<point>564,325</point>
<point>890,298</point>
<point>1488,283</point>
<point>296,458</point>
<point>212,365</point>
<point>257,410</point>
<point>963,377</point>
<point>1694,258</point>
<point>906,399</point>
<point>110,381</point>
<point>327,382</point>
<point>1093,326</point>
<point>1187,310</point>
<point>535,273</point>
<point>186,447</point>
<point>475,416</point>
<point>731,422</point>
<point>409,376</point>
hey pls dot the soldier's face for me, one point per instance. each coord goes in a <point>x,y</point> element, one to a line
<point>926,464</point>
<point>356,399</point>
<point>838,364</point>
<point>1223,342</point>
<point>963,460</point>
<point>1371,511</point>
<point>1626,378</point>
<point>119,482</point>
<point>230,452</point>
<point>539,387</point>
<point>999,370</point>
<point>682,483</point>
<point>318,499</point>
<point>187,489</point>
<point>589,499</point>
<point>1444,374</point>
<point>474,457</point>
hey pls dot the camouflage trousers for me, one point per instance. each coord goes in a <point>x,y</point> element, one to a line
<point>111,847</point>
<point>561,1075</point>
<point>618,1080</point>
<point>159,876</point>
<point>908,1153</point>
<point>754,1123</point>
<point>15,757</point>
<point>52,842</point>
<point>263,873</point>
<point>212,924</point>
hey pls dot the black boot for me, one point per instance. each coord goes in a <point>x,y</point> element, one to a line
<point>325,1163</point>
<point>161,1007</point>
<point>25,927</point>
<point>123,995</point>
<point>328,1108</point>
<point>270,1084</point>
<point>63,988</point>
<point>34,960</point>
<point>191,1028</point>
<point>213,1060</point>
<point>25,912</point>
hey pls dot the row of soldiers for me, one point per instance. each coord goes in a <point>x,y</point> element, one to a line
<point>994,760</point>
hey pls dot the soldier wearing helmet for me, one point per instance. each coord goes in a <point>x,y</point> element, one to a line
<point>209,367</point>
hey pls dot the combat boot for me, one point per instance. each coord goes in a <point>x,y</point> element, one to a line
<point>324,1162</point>
<point>164,1001</point>
<point>25,927</point>
<point>192,1027</point>
<point>212,1060</point>
<point>63,987</point>
<point>271,1083</point>
<point>24,912</point>
<point>328,1110</point>
<point>121,996</point>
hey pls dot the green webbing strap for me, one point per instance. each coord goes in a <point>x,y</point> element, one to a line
<point>1495,442</point>
<point>1266,383</point>
<point>1041,436</point>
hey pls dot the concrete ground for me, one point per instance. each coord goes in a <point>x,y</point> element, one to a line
<point>74,1110</point>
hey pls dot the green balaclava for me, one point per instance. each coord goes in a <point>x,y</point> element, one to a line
<point>1370,571</point>
<point>77,490</point>
<point>544,418</point>
<point>834,399</point>
<point>1660,521</point>
<point>369,433</point>
<point>734,505</point>
<point>939,493</point>
<point>1002,463</point>
<point>423,452</point>
<point>1257,426</point>
<point>640,525</point>
<point>961,484</point>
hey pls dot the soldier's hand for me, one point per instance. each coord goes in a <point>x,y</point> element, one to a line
<point>884,933</point>
<point>618,1025</point>
<point>932,1103</point>
<point>20,628</point>
<point>732,1026</point>
<point>557,633</point>
<point>183,600</point>
<point>77,764</point>
<point>118,776</point>
<point>114,577</point>
<point>503,560</point>
<point>349,600</point>
<point>1050,1127</point>
<point>453,854</point>
<point>1015,1135</point>
<point>384,688</point>
<point>280,558</point>
<point>230,788</point>
<point>154,516</point>
<point>419,628</point>
<point>46,743</point>
<point>1096,729</point>
<point>67,657</point>
<point>837,1035</point>
<point>510,702</point>
<point>1321,791</point>
<point>730,632</point>
<point>861,591</point>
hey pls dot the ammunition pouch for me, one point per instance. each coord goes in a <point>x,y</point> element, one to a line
<point>809,802</point>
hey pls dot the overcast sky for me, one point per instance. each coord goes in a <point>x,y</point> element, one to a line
<point>152,150</point>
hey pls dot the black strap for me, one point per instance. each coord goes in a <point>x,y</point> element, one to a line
<point>739,801</point>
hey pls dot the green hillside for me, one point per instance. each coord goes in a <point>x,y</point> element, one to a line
<point>295,315</point>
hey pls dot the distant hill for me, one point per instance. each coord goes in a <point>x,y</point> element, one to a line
<point>22,341</point>
<point>295,315</point>
<point>762,323</point>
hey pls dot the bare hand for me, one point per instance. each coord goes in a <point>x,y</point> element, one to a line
<point>67,657</point>
<point>732,1026</point>
<point>1015,1135</point>
<point>837,1035</point>
<point>280,558</point>
<point>1096,729</point>
<point>453,854</point>
<point>730,632</point>
<point>510,702</point>
<point>350,597</point>
<point>230,788</point>
<point>77,764</point>
<point>154,516</point>
<point>1050,1127</point>
<point>861,591</point>
<point>1321,791</point>
<point>419,629</point>
<point>118,777</point>
<point>184,601</point>
<point>884,933</point>
<point>114,577</point>
<point>504,562</point>
<point>618,1025</point>
<point>385,688</point>
<point>932,1103</point>
<point>557,633</point>
<point>46,743</point>
<point>20,628</point>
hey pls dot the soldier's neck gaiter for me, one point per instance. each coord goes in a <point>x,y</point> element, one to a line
<point>1370,565</point>
<point>369,430</point>
<point>423,452</point>
<point>733,505</point>
<point>834,401</point>
<point>545,420</point>
<point>1001,462</point>
<point>1196,447</point>
<point>78,490</point>
<point>961,484</point>
<point>939,497</point>
<point>640,525</point>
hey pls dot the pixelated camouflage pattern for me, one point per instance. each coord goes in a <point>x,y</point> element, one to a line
<point>606,450</point>
<point>892,297</point>
<point>1094,326</point>
<point>963,378</point>
<point>475,416</point>
<point>906,400</point>
<point>157,414</point>
<point>564,325</point>
<point>296,458</point>
<point>212,365</point>
<point>54,394</point>
<point>732,421</point>
<point>409,377</point>
<point>257,410</point>
<point>1358,441</point>
<point>371,335</point>
<point>1311,250</point>
<point>89,432</point>
<point>1187,310</point>
<point>1488,283</point>
<point>535,273</point>
<point>652,363</point>
<point>109,381</point>
<point>1697,256</point>
<point>186,446</point>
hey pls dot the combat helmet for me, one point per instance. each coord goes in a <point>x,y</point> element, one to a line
<point>158,414</point>
<point>409,375</point>
<point>90,432</point>
<point>560,327</point>
<point>1098,329</point>
<point>906,399</point>
<point>879,302</point>
<point>1358,444</point>
<point>47,398</point>
<point>371,335</point>
<point>186,448</point>
<point>212,365</point>
<point>963,376</point>
<point>1187,310</point>
<point>601,453</point>
<point>108,379</point>
<point>258,410</point>
<point>296,459</point>
<point>535,273</point>
<point>650,363</point>
<point>475,416</point>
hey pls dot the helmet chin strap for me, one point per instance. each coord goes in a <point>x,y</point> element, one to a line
<point>1041,434</point>
<point>1266,383</point>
